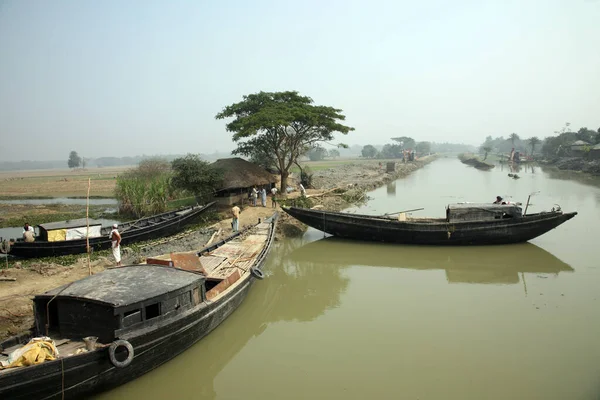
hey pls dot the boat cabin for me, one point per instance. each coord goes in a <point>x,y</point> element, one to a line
<point>465,212</point>
<point>69,230</point>
<point>116,301</point>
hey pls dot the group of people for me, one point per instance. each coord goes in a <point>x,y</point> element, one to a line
<point>263,196</point>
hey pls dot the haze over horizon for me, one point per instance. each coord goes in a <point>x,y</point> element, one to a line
<point>148,77</point>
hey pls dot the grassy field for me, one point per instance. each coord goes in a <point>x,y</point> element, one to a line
<point>58,183</point>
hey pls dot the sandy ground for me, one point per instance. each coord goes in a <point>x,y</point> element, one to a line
<point>15,297</point>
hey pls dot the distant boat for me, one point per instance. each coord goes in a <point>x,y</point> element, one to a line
<point>465,224</point>
<point>69,237</point>
<point>114,326</point>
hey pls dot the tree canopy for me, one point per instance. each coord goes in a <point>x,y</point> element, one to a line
<point>369,151</point>
<point>405,142</point>
<point>74,160</point>
<point>281,126</point>
<point>195,175</point>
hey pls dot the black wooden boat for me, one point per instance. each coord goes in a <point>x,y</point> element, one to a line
<point>465,224</point>
<point>53,238</point>
<point>142,316</point>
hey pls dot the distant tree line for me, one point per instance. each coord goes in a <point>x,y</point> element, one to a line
<point>551,146</point>
<point>395,150</point>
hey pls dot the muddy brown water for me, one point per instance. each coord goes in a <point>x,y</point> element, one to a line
<point>347,320</point>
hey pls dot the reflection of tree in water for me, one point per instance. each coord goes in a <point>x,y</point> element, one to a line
<point>308,289</point>
<point>291,291</point>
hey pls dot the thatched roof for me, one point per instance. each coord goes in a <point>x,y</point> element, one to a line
<point>579,143</point>
<point>239,173</point>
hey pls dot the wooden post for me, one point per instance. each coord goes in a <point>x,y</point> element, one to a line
<point>87,221</point>
<point>527,205</point>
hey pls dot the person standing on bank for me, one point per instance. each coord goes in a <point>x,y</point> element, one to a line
<point>254,196</point>
<point>235,222</point>
<point>263,197</point>
<point>115,238</point>
<point>273,199</point>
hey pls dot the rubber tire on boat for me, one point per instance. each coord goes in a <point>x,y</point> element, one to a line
<point>257,273</point>
<point>113,348</point>
<point>5,247</point>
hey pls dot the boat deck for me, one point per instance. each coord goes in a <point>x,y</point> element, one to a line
<point>238,254</point>
<point>65,347</point>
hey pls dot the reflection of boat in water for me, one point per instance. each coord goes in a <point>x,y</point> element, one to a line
<point>274,301</point>
<point>489,264</point>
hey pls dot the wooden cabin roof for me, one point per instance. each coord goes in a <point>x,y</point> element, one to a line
<point>72,223</point>
<point>483,206</point>
<point>127,285</point>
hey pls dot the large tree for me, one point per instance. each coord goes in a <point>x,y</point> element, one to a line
<point>513,138</point>
<point>533,141</point>
<point>283,125</point>
<point>74,160</point>
<point>423,147</point>
<point>196,176</point>
<point>405,142</point>
<point>317,153</point>
<point>369,151</point>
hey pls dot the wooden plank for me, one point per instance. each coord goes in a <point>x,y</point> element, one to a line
<point>188,262</point>
<point>211,263</point>
<point>223,285</point>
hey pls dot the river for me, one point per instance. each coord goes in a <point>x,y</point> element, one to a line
<point>335,319</point>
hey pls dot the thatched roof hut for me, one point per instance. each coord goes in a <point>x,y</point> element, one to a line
<point>241,174</point>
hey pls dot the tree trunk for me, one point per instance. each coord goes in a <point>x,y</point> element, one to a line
<point>284,178</point>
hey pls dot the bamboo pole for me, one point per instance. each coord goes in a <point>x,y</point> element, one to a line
<point>87,221</point>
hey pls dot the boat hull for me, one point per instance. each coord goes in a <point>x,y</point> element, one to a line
<point>370,228</point>
<point>80,376</point>
<point>39,249</point>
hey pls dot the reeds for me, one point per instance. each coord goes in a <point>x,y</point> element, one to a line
<point>140,195</point>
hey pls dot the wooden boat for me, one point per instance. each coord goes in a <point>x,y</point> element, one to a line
<point>474,161</point>
<point>465,224</point>
<point>142,316</point>
<point>481,265</point>
<point>68,237</point>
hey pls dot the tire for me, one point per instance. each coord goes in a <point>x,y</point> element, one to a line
<point>5,247</point>
<point>112,350</point>
<point>257,273</point>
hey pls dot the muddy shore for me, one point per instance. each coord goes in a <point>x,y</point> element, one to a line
<point>35,277</point>
<point>578,164</point>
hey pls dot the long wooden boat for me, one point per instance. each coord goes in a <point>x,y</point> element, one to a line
<point>68,237</point>
<point>465,224</point>
<point>481,265</point>
<point>142,316</point>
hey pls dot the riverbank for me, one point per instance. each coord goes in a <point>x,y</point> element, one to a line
<point>37,276</point>
<point>578,164</point>
<point>341,187</point>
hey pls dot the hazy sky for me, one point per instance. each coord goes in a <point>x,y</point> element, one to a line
<point>117,78</point>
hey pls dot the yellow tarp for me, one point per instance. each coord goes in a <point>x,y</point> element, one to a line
<point>36,351</point>
<point>57,235</point>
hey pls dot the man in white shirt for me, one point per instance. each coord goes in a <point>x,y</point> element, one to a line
<point>273,199</point>
<point>115,238</point>
<point>28,233</point>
